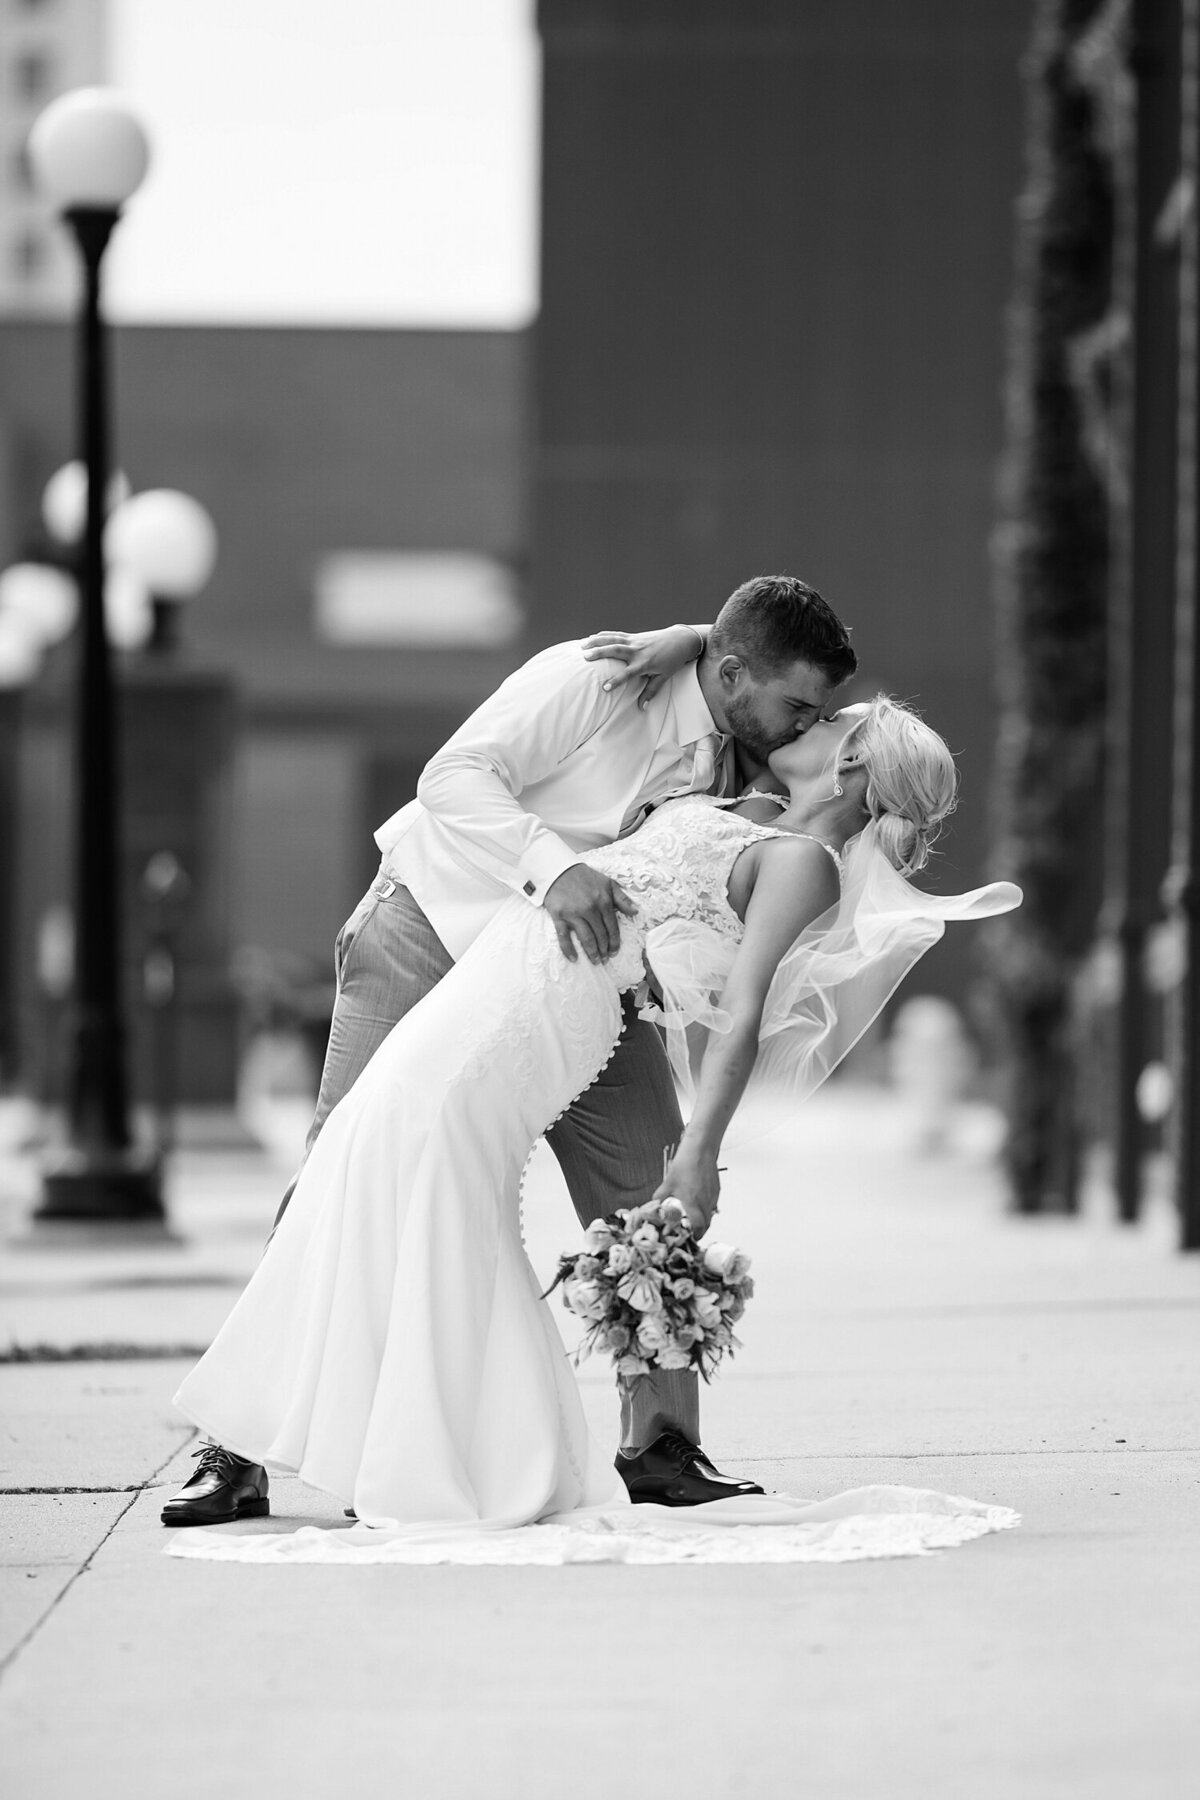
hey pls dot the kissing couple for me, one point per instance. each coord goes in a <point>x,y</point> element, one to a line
<point>644,866</point>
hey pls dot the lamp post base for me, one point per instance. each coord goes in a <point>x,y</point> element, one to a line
<point>102,1187</point>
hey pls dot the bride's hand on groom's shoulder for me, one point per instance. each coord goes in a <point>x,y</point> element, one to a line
<point>696,1183</point>
<point>650,657</point>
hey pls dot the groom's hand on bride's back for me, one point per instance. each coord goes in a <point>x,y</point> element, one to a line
<point>586,907</point>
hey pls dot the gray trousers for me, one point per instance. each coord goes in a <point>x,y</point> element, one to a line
<point>609,1144</point>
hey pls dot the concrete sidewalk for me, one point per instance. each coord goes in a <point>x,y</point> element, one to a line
<point>904,1330</point>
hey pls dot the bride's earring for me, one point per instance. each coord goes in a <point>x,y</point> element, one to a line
<point>838,789</point>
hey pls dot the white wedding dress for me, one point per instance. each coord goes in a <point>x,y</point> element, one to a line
<point>392,1346</point>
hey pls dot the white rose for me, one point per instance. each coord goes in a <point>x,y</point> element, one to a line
<point>726,1261</point>
<point>706,1309</point>
<point>640,1292</point>
<point>717,1258</point>
<point>652,1334</point>
<point>598,1236</point>
<point>673,1356</point>
<point>587,1299</point>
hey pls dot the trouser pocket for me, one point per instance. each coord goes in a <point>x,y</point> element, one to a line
<point>350,933</point>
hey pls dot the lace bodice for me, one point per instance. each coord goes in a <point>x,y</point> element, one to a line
<point>677,864</point>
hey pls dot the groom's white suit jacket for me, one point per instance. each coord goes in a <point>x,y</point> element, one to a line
<point>549,766</point>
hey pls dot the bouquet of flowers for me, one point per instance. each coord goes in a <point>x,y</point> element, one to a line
<point>651,1295</point>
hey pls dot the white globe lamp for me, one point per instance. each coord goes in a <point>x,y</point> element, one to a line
<point>128,609</point>
<point>88,150</point>
<point>42,599</point>
<point>64,501</point>
<point>167,538</point>
<point>169,542</point>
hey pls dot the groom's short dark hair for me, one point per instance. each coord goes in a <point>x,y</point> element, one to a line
<point>774,620</point>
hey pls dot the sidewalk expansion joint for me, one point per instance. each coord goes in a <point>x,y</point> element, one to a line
<point>133,1488</point>
<point>17,1354</point>
<point>7,1662</point>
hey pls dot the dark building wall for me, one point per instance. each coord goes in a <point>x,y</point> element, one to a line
<point>299,442</point>
<point>776,254</point>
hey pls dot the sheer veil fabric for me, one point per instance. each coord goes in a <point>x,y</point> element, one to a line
<point>392,1346</point>
<point>830,987</point>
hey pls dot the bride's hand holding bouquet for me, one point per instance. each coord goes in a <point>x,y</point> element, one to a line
<point>693,1181</point>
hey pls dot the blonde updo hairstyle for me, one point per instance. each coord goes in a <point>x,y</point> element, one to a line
<point>912,783</point>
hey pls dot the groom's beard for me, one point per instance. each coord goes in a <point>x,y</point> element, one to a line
<point>745,726</point>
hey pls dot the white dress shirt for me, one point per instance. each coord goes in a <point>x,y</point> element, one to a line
<point>549,766</point>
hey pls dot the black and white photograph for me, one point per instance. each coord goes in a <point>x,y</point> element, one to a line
<point>600,899</point>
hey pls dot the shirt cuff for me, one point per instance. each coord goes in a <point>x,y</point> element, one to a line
<point>542,865</point>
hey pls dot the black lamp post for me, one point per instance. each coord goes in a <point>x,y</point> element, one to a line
<point>89,154</point>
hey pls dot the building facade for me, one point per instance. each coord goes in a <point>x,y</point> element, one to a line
<point>47,47</point>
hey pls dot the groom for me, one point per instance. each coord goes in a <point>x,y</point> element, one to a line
<point>559,760</point>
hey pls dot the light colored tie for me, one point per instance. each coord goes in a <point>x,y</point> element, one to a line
<point>710,774</point>
<point>707,764</point>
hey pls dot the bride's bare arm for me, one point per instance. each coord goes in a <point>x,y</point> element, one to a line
<point>794,884</point>
<point>649,656</point>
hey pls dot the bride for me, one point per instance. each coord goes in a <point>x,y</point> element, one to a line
<point>393,1347</point>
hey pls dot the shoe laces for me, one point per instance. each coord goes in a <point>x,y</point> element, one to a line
<point>211,1455</point>
<point>694,1457</point>
<point>678,1441</point>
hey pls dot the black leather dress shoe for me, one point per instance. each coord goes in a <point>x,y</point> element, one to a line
<point>225,1487</point>
<point>672,1471</point>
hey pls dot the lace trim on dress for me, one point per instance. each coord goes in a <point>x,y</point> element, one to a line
<point>784,800</point>
<point>863,1525</point>
<point>753,794</point>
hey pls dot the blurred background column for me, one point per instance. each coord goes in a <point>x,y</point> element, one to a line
<point>1183,881</point>
<point>39,608</point>
<point>18,666</point>
<point>178,729</point>
<point>1138,753</point>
